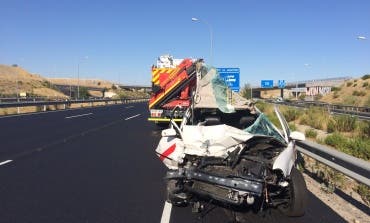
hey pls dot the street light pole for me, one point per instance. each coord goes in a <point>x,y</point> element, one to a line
<point>78,80</point>
<point>210,36</point>
<point>78,76</point>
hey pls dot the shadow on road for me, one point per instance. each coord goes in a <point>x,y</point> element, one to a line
<point>317,211</point>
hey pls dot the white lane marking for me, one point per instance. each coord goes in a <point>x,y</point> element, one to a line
<point>132,117</point>
<point>75,116</point>
<point>5,162</point>
<point>166,214</point>
<point>129,106</point>
<point>46,112</point>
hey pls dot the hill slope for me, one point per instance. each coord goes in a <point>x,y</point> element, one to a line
<point>352,92</point>
<point>14,80</point>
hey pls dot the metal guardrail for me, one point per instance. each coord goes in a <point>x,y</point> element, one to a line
<point>353,167</point>
<point>66,103</point>
<point>360,112</point>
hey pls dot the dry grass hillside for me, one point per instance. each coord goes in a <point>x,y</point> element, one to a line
<point>29,83</point>
<point>36,85</point>
<point>352,92</point>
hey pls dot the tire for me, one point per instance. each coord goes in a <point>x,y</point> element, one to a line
<point>162,125</point>
<point>174,194</point>
<point>298,195</point>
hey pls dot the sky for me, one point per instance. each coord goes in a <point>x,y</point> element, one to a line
<point>119,40</point>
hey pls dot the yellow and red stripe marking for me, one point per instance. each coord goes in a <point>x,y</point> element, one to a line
<point>156,72</point>
<point>164,93</point>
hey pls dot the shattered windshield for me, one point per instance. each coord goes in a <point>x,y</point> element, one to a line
<point>213,92</point>
<point>220,88</point>
<point>262,126</point>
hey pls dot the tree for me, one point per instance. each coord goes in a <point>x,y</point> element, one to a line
<point>246,91</point>
<point>84,93</point>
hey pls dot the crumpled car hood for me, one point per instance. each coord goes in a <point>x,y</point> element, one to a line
<point>216,140</point>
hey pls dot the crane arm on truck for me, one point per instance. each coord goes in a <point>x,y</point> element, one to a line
<point>171,88</point>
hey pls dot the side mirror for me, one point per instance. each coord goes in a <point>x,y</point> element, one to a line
<point>298,136</point>
<point>168,132</point>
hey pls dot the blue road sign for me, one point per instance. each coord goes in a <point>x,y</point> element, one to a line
<point>231,76</point>
<point>267,83</point>
<point>281,83</point>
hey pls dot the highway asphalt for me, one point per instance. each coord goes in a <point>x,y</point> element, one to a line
<point>96,165</point>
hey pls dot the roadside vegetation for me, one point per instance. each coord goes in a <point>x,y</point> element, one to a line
<point>345,133</point>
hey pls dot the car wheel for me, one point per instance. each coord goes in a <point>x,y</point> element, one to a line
<point>175,195</point>
<point>297,193</point>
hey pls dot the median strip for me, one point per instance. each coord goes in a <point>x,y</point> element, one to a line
<point>132,117</point>
<point>76,116</point>
<point>5,162</point>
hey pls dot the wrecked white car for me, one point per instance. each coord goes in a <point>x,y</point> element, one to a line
<point>226,152</point>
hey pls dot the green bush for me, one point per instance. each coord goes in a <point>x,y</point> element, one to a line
<point>365,84</point>
<point>335,95</point>
<point>364,129</point>
<point>246,91</point>
<point>350,100</point>
<point>315,117</point>
<point>318,97</point>
<point>292,127</point>
<point>331,126</point>
<point>358,93</point>
<point>349,84</point>
<point>364,191</point>
<point>345,123</point>
<point>311,133</point>
<point>263,106</point>
<point>291,114</point>
<point>336,89</point>
<point>358,147</point>
<point>365,77</point>
<point>367,102</point>
<point>336,140</point>
<point>304,120</point>
<point>84,93</point>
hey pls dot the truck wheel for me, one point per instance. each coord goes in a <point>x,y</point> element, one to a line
<point>162,125</point>
<point>297,193</point>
